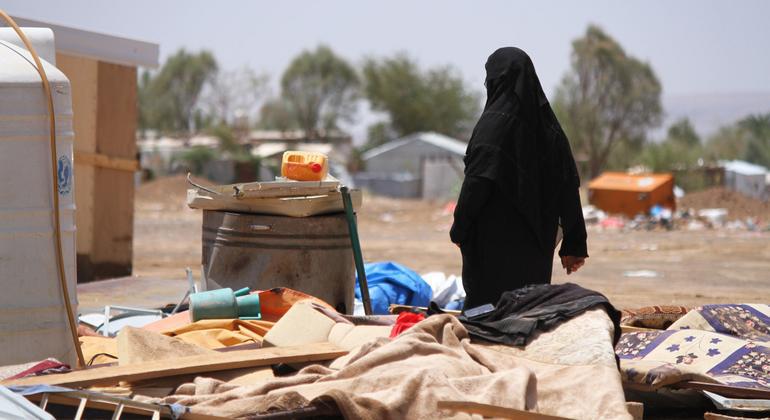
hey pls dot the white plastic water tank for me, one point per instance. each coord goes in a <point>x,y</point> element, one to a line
<point>33,322</point>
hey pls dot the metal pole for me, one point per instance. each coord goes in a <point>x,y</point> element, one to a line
<point>357,255</point>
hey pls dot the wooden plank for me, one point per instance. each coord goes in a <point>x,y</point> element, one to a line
<point>107,162</point>
<point>113,218</point>
<point>725,390</point>
<point>186,365</point>
<point>488,410</point>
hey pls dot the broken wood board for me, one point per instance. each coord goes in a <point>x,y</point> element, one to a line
<point>187,365</point>
<point>277,188</point>
<point>301,206</point>
<point>488,410</point>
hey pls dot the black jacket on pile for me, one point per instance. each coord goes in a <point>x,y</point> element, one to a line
<point>521,313</point>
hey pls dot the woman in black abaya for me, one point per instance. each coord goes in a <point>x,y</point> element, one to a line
<point>520,184</point>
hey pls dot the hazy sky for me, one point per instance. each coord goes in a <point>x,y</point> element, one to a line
<point>694,46</point>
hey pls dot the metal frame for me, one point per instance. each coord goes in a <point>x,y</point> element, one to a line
<point>120,404</point>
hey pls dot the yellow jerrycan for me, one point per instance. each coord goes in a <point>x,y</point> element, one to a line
<point>304,166</point>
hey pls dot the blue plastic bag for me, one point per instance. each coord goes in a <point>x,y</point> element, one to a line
<point>390,283</point>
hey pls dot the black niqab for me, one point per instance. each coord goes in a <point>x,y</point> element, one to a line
<point>519,144</point>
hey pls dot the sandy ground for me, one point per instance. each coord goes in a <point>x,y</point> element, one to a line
<point>692,267</point>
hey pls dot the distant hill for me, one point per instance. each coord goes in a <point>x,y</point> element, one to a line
<point>709,111</point>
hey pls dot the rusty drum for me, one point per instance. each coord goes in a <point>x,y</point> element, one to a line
<point>309,254</point>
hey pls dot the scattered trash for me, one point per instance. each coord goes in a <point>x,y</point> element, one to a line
<point>449,209</point>
<point>109,324</point>
<point>716,217</point>
<point>641,274</point>
<point>225,304</point>
<point>612,223</point>
<point>448,291</point>
<point>593,215</point>
<point>390,282</point>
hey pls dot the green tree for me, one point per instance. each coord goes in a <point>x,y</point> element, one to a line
<point>169,100</point>
<point>682,132</point>
<point>607,98</point>
<point>144,101</point>
<point>747,139</point>
<point>276,114</point>
<point>757,128</point>
<point>416,100</point>
<point>680,149</point>
<point>321,88</point>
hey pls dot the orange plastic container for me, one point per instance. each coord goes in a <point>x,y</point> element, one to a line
<point>304,166</point>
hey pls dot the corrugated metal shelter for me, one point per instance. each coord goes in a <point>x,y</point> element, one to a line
<point>102,72</point>
<point>421,165</point>
<point>631,194</point>
<point>746,178</point>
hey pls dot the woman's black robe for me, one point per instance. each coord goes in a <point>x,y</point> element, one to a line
<point>521,183</point>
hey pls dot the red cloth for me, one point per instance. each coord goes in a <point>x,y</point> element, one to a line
<point>45,367</point>
<point>405,321</point>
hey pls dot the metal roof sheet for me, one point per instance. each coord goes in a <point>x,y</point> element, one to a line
<point>439,140</point>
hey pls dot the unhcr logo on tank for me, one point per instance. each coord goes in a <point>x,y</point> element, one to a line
<point>64,174</point>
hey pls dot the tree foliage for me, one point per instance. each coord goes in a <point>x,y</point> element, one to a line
<point>607,98</point>
<point>321,88</point>
<point>681,149</point>
<point>233,97</point>
<point>748,139</point>
<point>168,100</point>
<point>416,100</point>
<point>276,114</point>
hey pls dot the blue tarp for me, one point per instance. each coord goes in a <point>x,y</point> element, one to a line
<point>390,283</point>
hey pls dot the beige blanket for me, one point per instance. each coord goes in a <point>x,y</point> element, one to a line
<point>407,376</point>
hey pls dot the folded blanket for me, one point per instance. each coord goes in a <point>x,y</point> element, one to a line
<point>747,321</point>
<point>658,358</point>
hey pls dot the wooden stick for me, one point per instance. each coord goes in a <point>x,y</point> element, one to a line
<point>488,410</point>
<point>108,162</point>
<point>725,390</point>
<point>186,365</point>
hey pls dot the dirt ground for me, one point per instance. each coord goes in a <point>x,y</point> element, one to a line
<point>690,267</point>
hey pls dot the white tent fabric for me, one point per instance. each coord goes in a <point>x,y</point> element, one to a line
<point>14,406</point>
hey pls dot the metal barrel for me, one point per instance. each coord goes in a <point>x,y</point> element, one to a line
<point>309,254</point>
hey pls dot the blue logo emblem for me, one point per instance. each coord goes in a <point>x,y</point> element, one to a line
<point>64,175</point>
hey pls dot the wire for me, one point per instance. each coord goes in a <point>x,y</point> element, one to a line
<point>91,362</point>
<point>56,218</point>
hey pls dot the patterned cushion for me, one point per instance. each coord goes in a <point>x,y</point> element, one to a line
<point>748,321</point>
